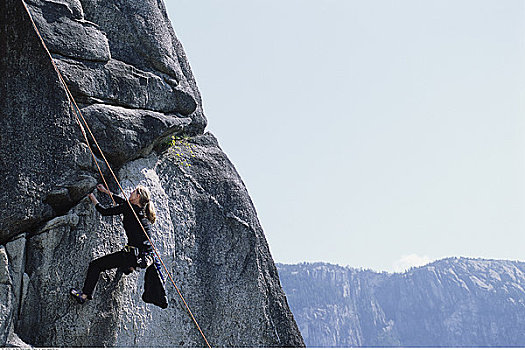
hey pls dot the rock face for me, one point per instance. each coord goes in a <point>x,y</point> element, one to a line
<point>6,292</point>
<point>134,86</point>
<point>455,302</point>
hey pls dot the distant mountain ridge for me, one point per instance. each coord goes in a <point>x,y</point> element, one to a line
<point>450,302</point>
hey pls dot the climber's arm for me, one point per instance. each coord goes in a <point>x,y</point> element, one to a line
<point>114,210</point>
<point>117,198</point>
<point>108,211</point>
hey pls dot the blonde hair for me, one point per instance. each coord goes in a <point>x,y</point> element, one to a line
<point>145,201</point>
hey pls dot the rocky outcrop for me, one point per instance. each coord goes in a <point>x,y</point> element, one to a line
<point>41,158</point>
<point>7,297</point>
<point>454,302</point>
<point>140,99</point>
<point>39,148</point>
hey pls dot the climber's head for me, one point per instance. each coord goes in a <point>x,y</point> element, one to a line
<point>142,197</point>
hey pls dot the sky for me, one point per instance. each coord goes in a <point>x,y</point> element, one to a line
<point>372,133</point>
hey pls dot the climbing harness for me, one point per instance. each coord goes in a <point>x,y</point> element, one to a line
<point>144,258</point>
<point>78,113</point>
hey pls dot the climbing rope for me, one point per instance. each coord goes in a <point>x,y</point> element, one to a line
<point>78,113</point>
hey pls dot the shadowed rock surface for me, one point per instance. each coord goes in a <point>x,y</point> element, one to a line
<point>132,81</point>
<point>455,302</point>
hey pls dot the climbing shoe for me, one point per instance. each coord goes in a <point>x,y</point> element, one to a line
<point>77,295</point>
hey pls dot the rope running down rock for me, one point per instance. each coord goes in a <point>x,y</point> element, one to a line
<point>78,113</point>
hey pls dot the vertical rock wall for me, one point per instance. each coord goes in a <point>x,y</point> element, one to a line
<point>136,91</point>
<point>41,157</point>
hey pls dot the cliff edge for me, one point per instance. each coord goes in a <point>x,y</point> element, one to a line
<point>133,83</point>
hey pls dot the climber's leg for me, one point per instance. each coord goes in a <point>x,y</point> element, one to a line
<point>118,259</point>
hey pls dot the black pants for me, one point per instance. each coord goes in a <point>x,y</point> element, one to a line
<point>110,261</point>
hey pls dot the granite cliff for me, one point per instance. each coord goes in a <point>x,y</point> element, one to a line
<point>449,303</point>
<point>132,81</point>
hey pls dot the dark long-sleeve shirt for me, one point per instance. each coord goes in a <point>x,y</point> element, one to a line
<point>134,232</point>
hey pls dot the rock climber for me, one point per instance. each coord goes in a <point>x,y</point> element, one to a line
<point>138,251</point>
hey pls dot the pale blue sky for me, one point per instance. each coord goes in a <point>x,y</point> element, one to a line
<point>369,130</point>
